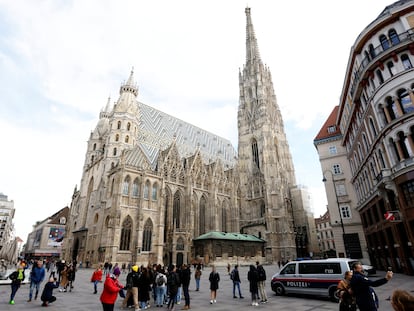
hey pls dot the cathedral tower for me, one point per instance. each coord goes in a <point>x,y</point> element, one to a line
<point>265,162</point>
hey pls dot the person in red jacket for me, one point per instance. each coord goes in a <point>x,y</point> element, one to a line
<point>110,292</point>
<point>96,278</point>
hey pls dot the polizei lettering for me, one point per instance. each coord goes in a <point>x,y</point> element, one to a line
<point>297,284</point>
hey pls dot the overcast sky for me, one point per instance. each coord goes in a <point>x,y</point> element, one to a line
<point>60,60</point>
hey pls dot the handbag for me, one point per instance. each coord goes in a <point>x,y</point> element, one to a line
<point>121,293</point>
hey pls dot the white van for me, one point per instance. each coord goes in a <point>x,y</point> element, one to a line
<point>311,277</point>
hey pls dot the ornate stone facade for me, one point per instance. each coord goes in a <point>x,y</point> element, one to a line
<point>152,183</point>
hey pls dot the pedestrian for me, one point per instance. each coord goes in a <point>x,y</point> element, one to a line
<point>261,283</point>
<point>197,277</point>
<point>71,273</point>
<point>96,278</point>
<point>64,279</point>
<point>16,277</point>
<point>402,300</point>
<point>160,286</point>
<point>235,277</point>
<point>116,270</point>
<point>253,278</point>
<point>362,287</point>
<point>144,288</point>
<point>132,283</point>
<point>173,281</point>
<point>37,275</point>
<point>178,295</point>
<point>111,288</point>
<point>185,278</point>
<point>345,294</point>
<point>47,293</point>
<point>214,279</point>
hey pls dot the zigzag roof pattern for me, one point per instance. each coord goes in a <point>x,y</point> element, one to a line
<point>158,130</point>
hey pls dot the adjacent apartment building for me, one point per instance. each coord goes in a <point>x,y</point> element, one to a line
<point>375,118</point>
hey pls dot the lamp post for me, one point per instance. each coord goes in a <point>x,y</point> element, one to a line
<point>339,208</point>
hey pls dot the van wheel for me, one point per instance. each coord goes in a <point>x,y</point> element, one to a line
<point>279,290</point>
<point>332,295</point>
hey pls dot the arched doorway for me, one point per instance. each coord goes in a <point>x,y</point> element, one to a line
<point>180,259</point>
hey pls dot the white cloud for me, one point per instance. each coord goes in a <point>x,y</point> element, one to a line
<point>60,60</point>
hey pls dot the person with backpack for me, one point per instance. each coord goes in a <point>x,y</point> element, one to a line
<point>160,286</point>
<point>173,282</point>
<point>214,279</point>
<point>235,277</point>
<point>197,277</point>
<point>253,277</point>
<point>362,287</point>
<point>261,283</point>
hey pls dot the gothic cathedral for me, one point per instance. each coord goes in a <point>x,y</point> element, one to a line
<point>152,183</point>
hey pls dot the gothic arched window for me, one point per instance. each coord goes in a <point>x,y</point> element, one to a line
<point>146,190</point>
<point>180,244</point>
<point>119,125</point>
<point>147,236</point>
<point>117,137</point>
<point>154,194</point>
<point>255,153</point>
<point>127,139</point>
<point>126,234</point>
<point>224,218</point>
<point>125,186</point>
<point>202,223</point>
<point>177,209</point>
<point>114,153</point>
<point>128,126</point>
<point>135,188</point>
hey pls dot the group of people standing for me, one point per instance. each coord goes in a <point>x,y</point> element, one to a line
<point>37,275</point>
<point>356,289</point>
<point>165,286</point>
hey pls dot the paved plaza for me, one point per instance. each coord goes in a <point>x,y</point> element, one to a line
<point>82,298</point>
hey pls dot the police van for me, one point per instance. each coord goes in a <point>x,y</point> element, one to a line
<point>311,277</point>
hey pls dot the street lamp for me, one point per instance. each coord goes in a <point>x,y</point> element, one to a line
<point>339,208</point>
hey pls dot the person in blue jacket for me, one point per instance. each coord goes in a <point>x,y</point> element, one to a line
<point>37,275</point>
<point>362,288</point>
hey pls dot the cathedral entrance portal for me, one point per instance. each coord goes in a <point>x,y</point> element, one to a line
<point>180,259</point>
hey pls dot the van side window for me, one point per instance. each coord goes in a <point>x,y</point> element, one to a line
<point>320,268</point>
<point>289,269</point>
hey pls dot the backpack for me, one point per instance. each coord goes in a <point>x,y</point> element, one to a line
<point>232,275</point>
<point>262,273</point>
<point>160,280</point>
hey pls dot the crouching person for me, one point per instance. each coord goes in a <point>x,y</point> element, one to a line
<point>47,294</point>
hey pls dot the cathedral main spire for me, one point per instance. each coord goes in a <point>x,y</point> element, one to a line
<point>252,49</point>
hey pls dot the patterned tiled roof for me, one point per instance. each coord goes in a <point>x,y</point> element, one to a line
<point>158,130</point>
<point>234,236</point>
